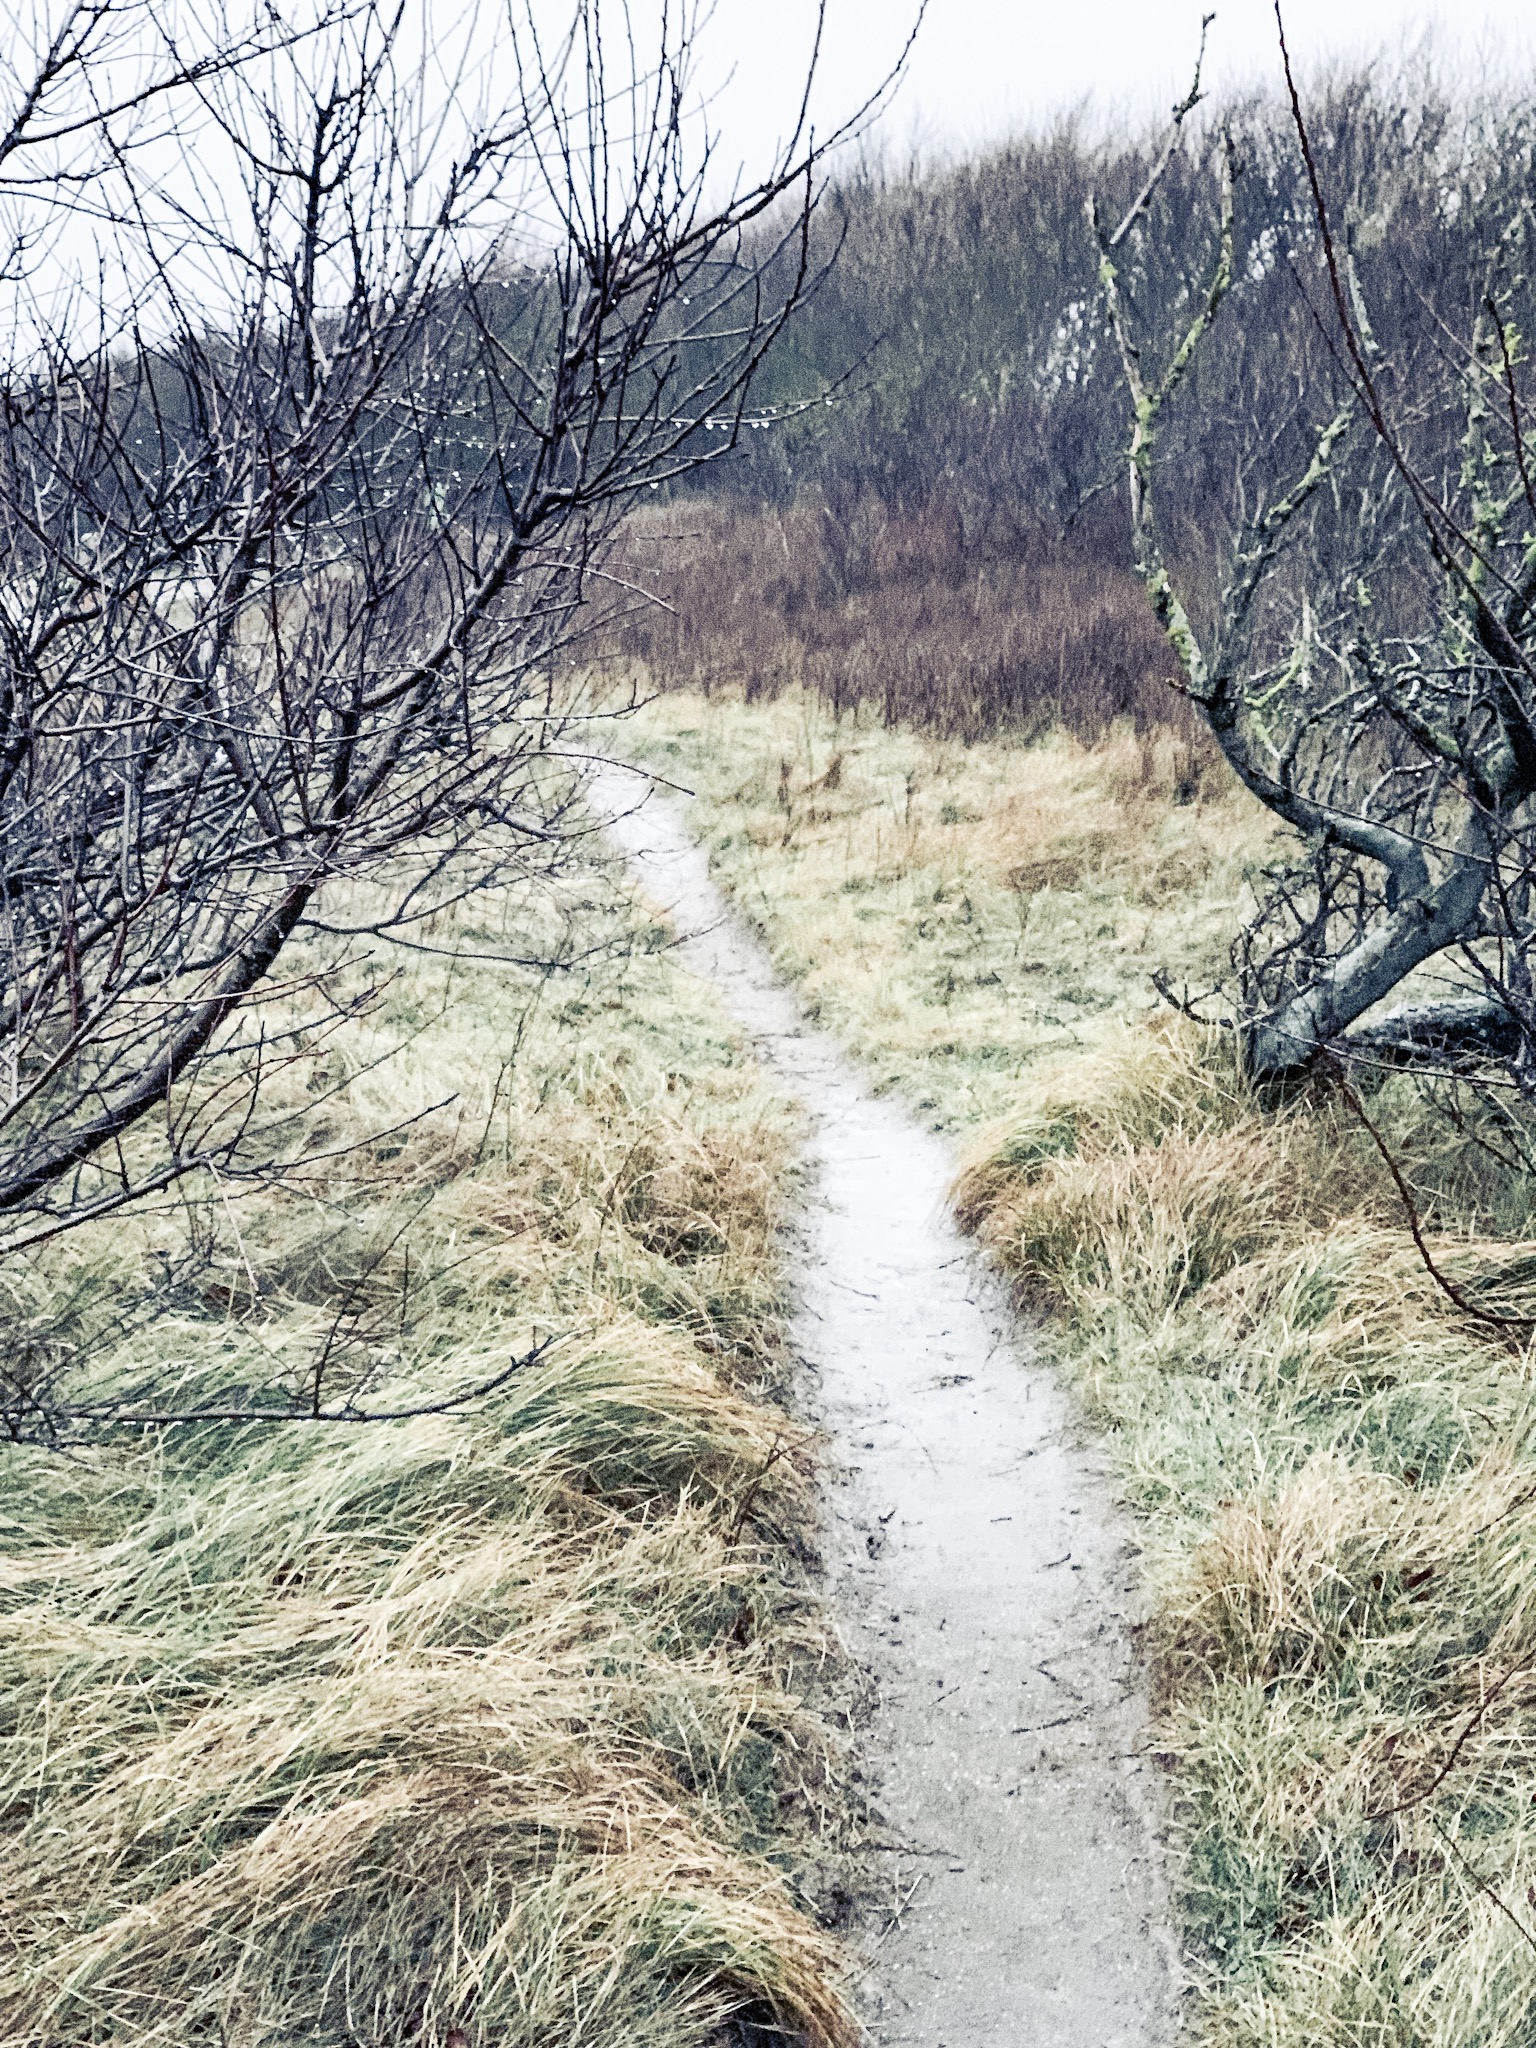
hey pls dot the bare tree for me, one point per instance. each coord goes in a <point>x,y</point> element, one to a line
<point>303,482</point>
<point>1367,665</point>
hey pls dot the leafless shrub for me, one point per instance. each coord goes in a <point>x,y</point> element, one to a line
<point>311,455</point>
<point>1368,667</point>
<point>299,508</point>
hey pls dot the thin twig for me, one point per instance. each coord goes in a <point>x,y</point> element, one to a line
<point>106,1418</point>
<point>1483,1884</point>
<point>1521,1325</point>
<point>895,1918</point>
<point>1418,1798</point>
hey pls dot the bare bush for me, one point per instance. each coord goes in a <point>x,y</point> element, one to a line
<point>302,488</point>
<point>962,337</point>
<point>978,398</point>
<point>1369,665</point>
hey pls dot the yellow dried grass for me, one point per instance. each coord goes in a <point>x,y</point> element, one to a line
<point>495,1728</point>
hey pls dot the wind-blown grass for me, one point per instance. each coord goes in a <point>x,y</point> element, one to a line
<point>492,1727</point>
<point>1335,1466</point>
<point>1339,1471</point>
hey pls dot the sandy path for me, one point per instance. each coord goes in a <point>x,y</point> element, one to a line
<point>977,1561</point>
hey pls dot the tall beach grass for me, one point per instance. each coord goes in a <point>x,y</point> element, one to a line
<point>502,1726</point>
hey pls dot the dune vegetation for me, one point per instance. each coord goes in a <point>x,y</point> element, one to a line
<point>508,1724</point>
<point>409,1628</point>
<point>1333,1459</point>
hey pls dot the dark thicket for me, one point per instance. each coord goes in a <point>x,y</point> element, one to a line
<point>952,399</point>
<point>898,606</point>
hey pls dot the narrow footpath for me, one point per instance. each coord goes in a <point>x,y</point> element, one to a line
<point>977,1561</point>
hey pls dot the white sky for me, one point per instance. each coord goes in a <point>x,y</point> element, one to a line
<point>981,67</point>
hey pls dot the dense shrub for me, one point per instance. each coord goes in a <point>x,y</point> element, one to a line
<point>896,608</point>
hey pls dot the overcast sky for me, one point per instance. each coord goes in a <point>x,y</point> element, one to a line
<point>982,67</point>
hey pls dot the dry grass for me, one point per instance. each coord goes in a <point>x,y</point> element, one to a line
<point>492,1728</point>
<point>1335,1467</point>
<point>1339,1474</point>
<point>956,912</point>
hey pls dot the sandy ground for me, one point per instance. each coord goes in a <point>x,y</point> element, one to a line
<point>978,1562</point>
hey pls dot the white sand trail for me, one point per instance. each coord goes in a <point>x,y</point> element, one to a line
<point>977,1561</point>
